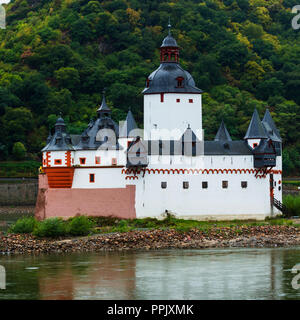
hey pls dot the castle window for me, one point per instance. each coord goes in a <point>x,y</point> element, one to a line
<point>161,97</point>
<point>279,188</point>
<point>114,161</point>
<point>92,177</point>
<point>57,161</point>
<point>224,184</point>
<point>177,100</point>
<point>179,82</point>
<point>164,185</point>
<point>191,100</point>
<point>185,185</point>
<point>97,160</point>
<point>82,160</point>
<point>244,184</point>
<point>204,184</point>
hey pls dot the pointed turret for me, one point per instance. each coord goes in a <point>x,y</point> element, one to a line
<point>61,140</point>
<point>256,129</point>
<point>104,109</point>
<point>128,126</point>
<point>270,127</point>
<point>222,134</point>
<point>99,131</point>
<point>169,50</point>
<point>189,135</point>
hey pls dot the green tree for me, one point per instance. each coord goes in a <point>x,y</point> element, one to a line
<point>19,151</point>
<point>67,77</point>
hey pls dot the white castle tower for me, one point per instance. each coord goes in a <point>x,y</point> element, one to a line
<point>171,99</point>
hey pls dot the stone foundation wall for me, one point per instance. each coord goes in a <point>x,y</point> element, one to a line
<point>18,194</point>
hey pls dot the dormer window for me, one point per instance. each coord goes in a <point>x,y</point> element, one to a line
<point>255,145</point>
<point>180,82</point>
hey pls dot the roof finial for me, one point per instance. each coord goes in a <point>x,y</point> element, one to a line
<point>169,26</point>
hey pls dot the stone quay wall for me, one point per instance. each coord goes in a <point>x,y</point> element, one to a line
<point>18,194</point>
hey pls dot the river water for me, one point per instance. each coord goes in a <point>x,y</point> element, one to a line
<point>167,274</point>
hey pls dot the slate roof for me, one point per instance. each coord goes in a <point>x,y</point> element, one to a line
<point>265,146</point>
<point>222,134</point>
<point>128,126</point>
<point>189,135</point>
<point>270,127</point>
<point>208,148</point>
<point>226,148</point>
<point>104,108</point>
<point>61,140</point>
<point>91,140</point>
<point>169,41</point>
<point>256,130</point>
<point>164,80</point>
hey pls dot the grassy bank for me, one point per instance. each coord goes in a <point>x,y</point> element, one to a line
<point>81,226</point>
<point>295,183</point>
<point>19,169</point>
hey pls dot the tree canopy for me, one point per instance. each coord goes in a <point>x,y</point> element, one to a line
<point>56,56</point>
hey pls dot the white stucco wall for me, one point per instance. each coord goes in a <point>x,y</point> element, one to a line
<point>172,115</point>
<point>214,202</point>
<point>59,155</point>
<point>106,157</point>
<point>104,178</point>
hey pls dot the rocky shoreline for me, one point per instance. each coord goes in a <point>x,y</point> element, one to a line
<point>243,236</point>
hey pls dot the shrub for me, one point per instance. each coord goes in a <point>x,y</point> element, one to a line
<point>292,204</point>
<point>79,226</point>
<point>53,227</point>
<point>19,151</point>
<point>23,225</point>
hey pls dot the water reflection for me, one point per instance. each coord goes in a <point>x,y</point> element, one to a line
<point>173,274</point>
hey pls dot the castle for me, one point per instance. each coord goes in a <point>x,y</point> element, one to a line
<point>168,167</point>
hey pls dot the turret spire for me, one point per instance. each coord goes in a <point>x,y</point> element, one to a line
<point>169,50</point>
<point>256,129</point>
<point>270,127</point>
<point>223,134</point>
<point>104,108</point>
<point>128,126</point>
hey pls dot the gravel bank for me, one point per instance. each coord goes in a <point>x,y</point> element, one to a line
<point>246,236</point>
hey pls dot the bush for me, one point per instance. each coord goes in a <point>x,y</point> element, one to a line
<point>19,151</point>
<point>292,204</point>
<point>79,226</point>
<point>53,227</point>
<point>23,225</point>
